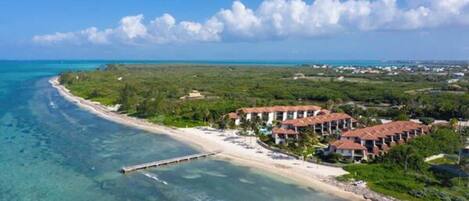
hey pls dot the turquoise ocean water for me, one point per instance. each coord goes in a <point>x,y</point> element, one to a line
<point>52,150</point>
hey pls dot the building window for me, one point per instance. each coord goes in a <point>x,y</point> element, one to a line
<point>310,113</point>
<point>290,115</point>
<point>300,114</point>
<point>279,116</point>
<point>265,116</point>
<point>253,115</point>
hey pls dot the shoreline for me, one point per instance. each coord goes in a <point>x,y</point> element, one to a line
<point>239,150</point>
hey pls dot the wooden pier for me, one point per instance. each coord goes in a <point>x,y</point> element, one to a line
<point>167,162</point>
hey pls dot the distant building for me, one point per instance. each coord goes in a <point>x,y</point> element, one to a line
<point>451,81</point>
<point>458,75</point>
<point>440,123</point>
<point>193,95</point>
<point>298,76</point>
<point>372,141</point>
<point>275,113</point>
<point>463,124</point>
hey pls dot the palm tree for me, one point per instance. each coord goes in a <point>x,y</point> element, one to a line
<point>244,124</point>
<point>255,122</point>
<point>206,114</point>
<point>330,104</point>
<point>408,153</point>
<point>404,154</point>
<point>222,122</point>
<point>453,122</point>
<point>309,137</point>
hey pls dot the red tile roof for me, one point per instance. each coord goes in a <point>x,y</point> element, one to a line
<point>318,119</point>
<point>324,111</point>
<point>383,130</point>
<point>232,115</point>
<point>347,145</point>
<point>284,131</point>
<point>280,108</point>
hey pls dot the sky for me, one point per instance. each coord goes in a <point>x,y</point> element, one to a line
<point>235,30</point>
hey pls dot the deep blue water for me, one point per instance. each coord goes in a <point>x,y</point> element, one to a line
<point>364,63</point>
<point>52,150</point>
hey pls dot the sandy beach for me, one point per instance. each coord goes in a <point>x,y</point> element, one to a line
<point>236,149</point>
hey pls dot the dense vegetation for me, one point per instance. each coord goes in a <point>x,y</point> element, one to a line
<point>154,91</point>
<point>403,174</point>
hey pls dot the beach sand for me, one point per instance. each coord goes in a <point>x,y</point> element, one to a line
<point>236,149</point>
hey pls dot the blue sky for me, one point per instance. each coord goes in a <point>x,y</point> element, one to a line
<point>244,30</point>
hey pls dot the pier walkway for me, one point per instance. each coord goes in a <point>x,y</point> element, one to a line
<point>167,162</point>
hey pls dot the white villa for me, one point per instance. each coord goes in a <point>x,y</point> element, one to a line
<point>276,113</point>
<point>363,143</point>
<point>323,124</point>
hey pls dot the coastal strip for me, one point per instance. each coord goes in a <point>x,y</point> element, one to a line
<point>243,151</point>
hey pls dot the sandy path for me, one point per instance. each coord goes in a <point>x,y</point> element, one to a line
<point>240,150</point>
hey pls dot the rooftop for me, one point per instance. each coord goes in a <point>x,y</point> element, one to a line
<point>280,108</point>
<point>383,130</point>
<point>284,131</point>
<point>318,119</point>
<point>347,145</point>
<point>232,115</point>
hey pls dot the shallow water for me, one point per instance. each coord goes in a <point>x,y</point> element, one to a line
<point>52,150</point>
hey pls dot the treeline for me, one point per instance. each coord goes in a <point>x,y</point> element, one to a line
<point>422,106</point>
<point>154,91</point>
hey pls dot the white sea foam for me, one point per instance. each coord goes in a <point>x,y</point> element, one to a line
<point>155,177</point>
<point>246,181</point>
<point>215,174</point>
<point>52,104</point>
<point>191,176</point>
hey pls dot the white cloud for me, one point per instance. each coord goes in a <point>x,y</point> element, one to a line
<point>277,19</point>
<point>54,38</point>
<point>132,27</point>
<point>450,6</point>
<point>165,29</point>
<point>93,35</point>
<point>239,20</point>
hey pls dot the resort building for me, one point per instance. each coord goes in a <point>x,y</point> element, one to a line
<point>348,149</point>
<point>361,144</point>
<point>194,94</point>
<point>276,113</point>
<point>323,124</point>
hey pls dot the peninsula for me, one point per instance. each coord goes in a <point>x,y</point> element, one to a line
<point>337,129</point>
